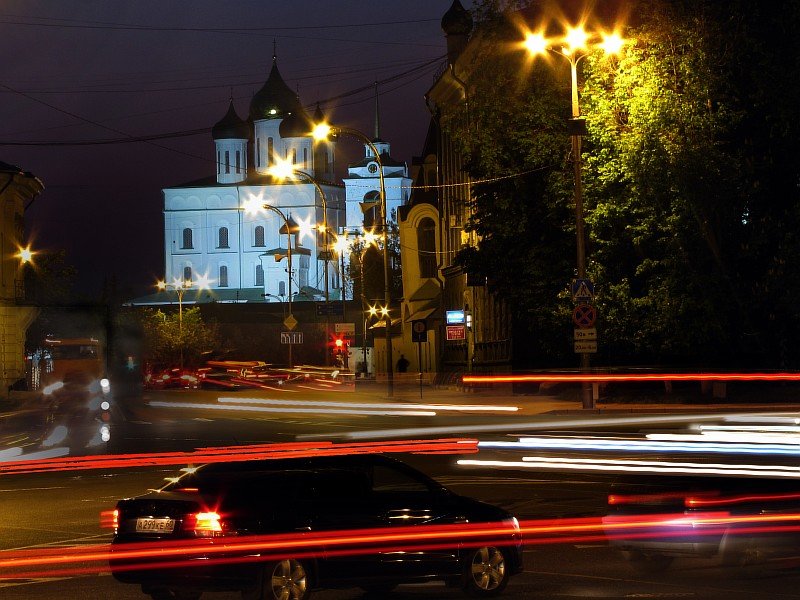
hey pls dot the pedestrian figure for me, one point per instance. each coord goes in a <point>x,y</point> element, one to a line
<point>402,364</point>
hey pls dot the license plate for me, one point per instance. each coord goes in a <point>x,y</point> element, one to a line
<point>155,525</point>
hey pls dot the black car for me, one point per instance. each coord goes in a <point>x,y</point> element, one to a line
<point>276,529</point>
<point>741,522</point>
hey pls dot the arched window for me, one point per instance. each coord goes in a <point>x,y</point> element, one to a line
<point>187,274</point>
<point>219,164</point>
<point>294,156</point>
<point>227,161</point>
<point>258,152</point>
<point>238,161</point>
<point>372,216</point>
<point>426,245</point>
<point>270,150</point>
<point>187,239</point>
<point>259,275</point>
<point>223,276</point>
<point>305,158</point>
<point>223,238</point>
<point>281,288</point>
<point>259,237</point>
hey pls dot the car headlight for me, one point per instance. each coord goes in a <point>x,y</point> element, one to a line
<point>105,385</point>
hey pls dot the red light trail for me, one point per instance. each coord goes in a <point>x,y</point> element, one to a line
<point>609,377</point>
<point>237,549</point>
<point>240,453</point>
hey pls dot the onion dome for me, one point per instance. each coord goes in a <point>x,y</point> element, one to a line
<point>457,20</point>
<point>230,127</point>
<point>297,124</point>
<point>275,100</point>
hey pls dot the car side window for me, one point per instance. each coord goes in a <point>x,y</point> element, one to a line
<point>387,479</point>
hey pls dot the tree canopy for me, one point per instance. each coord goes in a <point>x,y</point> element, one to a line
<point>691,176</point>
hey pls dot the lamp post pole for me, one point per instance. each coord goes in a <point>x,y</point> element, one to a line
<point>322,131</point>
<point>288,171</point>
<point>574,50</point>
<point>289,232</point>
<point>179,287</point>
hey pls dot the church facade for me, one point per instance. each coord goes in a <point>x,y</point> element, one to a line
<point>217,232</point>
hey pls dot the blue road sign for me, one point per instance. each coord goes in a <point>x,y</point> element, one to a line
<point>582,290</point>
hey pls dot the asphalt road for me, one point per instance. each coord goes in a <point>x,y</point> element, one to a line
<point>61,510</point>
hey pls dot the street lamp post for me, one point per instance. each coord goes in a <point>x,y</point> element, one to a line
<point>321,132</point>
<point>574,49</point>
<point>290,229</point>
<point>284,170</point>
<point>180,287</point>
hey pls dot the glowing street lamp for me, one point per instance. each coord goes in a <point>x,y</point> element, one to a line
<point>180,287</point>
<point>321,132</point>
<point>574,46</point>
<point>25,255</point>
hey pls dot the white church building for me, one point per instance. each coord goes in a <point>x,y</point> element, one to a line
<point>216,231</point>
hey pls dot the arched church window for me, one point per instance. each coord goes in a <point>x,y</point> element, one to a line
<point>238,161</point>
<point>426,245</point>
<point>258,152</point>
<point>259,275</point>
<point>372,216</point>
<point>219,162</point>
<point>259,237</point>
<point>223,238</point>
<point>270,150</point>
<point>187,274</point>
<point>281,288</point>
<point>227,161</point>
<point>187,239</point>
<point>223,276</point>
<point>294,156</point>
<point>305,158</point>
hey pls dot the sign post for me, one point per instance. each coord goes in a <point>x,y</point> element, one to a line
<point>419,334</point>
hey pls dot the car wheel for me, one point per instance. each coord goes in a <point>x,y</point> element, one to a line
<point>283,580</point>
<point>485,572</point>
<point>648,563</point>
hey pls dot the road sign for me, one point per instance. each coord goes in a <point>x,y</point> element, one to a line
<point>584,316</point>
<point>290,322</point>
<point>345,327</point>
<point>454,317</point>
<point>456,332</point>
<point>291,337</point>
<point>332,308</point>
<point>586,335</point>
<point>582,291</point>
<point>419,331</point>
<point>585,347</point>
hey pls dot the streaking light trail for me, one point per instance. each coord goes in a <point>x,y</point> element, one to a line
<point>238,453</point>
<point>370,405</point>
<point>638,466</point>
<point>236,549</point>
<point>272,409</point>
<point>631,377</point>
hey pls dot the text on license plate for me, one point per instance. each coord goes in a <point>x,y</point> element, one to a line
<point>155,525</point>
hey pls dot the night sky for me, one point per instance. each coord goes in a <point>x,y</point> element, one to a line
<point>82,71</point>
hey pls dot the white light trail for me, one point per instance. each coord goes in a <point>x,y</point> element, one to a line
<point>635,466</point>
<point>269,409</point>
<point>371,405</point>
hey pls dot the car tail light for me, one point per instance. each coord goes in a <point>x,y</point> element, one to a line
<point>664,498</point>
<point>205,524</point>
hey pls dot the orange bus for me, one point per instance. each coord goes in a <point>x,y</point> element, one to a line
<point>72,355</point>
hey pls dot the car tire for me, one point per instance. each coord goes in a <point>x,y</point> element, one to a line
<point>281,580</point>
<point>648,563</point>
<point>485,572</point>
